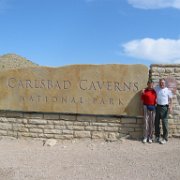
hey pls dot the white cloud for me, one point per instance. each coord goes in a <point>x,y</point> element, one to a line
<point>156,50</point>
<point>155,4</point>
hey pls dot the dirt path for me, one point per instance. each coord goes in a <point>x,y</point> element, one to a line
<point>89,160</point>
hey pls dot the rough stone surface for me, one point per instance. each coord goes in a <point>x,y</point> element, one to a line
<point>50,142</point>
<point>81,89</point>
<point>171,74</point>
<point>13,61</point>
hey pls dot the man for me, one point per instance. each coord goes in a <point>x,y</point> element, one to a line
<point>164,104</point>
<point>148,98</point>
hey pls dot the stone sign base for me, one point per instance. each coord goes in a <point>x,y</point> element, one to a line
<point>68,126</point>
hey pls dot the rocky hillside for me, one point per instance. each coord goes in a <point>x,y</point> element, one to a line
<point>13,61</point>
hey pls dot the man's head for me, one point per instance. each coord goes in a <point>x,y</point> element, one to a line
<point>162,83</point>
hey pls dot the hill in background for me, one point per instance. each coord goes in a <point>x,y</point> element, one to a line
<point>14,61</point>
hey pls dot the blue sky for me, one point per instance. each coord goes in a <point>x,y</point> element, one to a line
<point>63,32</point>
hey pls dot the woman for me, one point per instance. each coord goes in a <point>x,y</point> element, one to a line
<point>148,98</point>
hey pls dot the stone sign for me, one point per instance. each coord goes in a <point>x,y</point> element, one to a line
<point>85,89</point>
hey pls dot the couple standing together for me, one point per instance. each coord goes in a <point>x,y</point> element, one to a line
<point>157,102</point>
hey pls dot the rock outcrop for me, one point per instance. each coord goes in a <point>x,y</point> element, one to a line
<point>13,61</point>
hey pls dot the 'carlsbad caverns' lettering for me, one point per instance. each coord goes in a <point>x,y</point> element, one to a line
<point>108,85</point>
<point>45,84</point>
<point>66,84</point>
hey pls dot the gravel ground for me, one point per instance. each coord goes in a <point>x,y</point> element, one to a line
<point>89,160</point>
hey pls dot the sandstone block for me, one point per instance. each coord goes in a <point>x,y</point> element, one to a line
<point>67,117</point>
<point>169,70</point>
<point>113,137</point>
<point>14,114</point>
<point>132,125</point>
<point>5,126</point>
<point>91,128</point>
<point>8,120</point>
<point>82,134</point>
<point>3,119</point>
<point>99,135</point>
<point>46,126</point>
<point>2,113</point>
<point>37,121</point>
<point>114,124</point>
<point>3,132</point>
<point>33,115</point>
<point>98,124</point>
<point>139,121</point>
<point>20,127</point>
<point>85,118</point>
<point>65,131</point>
<point>60,122</point>
<point>12,133</point>
<point>80,128</point>
<point>51,116</point>
<point>27,134</point>
<point>128,120</point>
<point>60,127</point>
<point>108,119</point>
<point>23,121</point>
<point>136,135</point>
<point>126,130</point>
<point>160,70</point>
<point>81,123</point>
<point>52,131</point>
<point>35,130</point>
<point>64,136</point>
<point>177,70</point>
<point>42,135</point>
<point>112,129</point>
